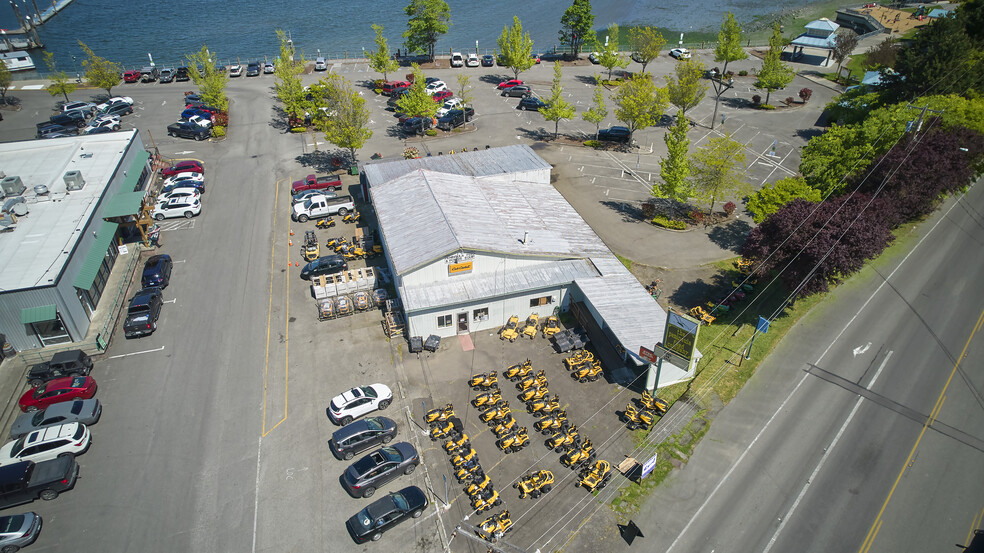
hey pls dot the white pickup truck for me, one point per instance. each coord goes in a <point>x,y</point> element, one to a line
<point>317,207</point>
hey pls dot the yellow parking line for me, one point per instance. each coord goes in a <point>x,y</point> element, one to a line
<point>870,538</point>
<point>266,367</point>
<point>978,518</point>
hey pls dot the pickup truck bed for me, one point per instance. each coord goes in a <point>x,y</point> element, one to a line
<point>312,182</point>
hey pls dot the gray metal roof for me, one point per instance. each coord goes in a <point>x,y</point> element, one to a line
<point>481,163</point>
<point>632,314</point>
<point>425,215</point>
<point>472,288</point>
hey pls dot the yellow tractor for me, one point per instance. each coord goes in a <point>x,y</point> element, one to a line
<point>326,222</point>
<point>484,380</point>
<point>579,358</point>
<point>457,442</point>
<point>459,460</point>
<point>352,217</point>
<point>532,324</point>
<point>310,250</point>
<point>494,527</point>
<point>701,315</point>
<point>543,406</point>
<point>334,243</point>
<point>653,403</point>
<point>479,486</point>
<point>535,484</point>
<point>435,416</point>
<point>635,418</point>
<point>484,501</point>
<point>539,379</point>
<point>551,423</point>
<point>446,429</point>
<point>519,370</point>
<point>510,332</point>
<point>595,477</point>
<point>551,327</point>
<point>579,456</point>
<point>469,472</point>
<point>536,392</point>
<point>513,442</point>
<point>563,440</point>
<point>497,412</point>
<point>505,427</point>
<point>490,397</point>
<point>587,372</point>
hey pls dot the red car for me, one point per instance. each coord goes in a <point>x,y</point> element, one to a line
<point>509,84</point>
<point>439,97</point>
<point>66,388</point>
<point>131,76</point>
<point>189,166</point>
<point>392,86</point>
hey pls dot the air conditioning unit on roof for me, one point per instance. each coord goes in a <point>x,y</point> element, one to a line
<point>73,180</point>
<point>12,186</point>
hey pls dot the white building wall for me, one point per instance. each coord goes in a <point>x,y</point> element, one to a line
<point>482,263</point>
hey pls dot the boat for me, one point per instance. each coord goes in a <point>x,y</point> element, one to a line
<point>18,60</point>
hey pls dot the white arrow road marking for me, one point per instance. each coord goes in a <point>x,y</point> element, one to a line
<point>861,349</point>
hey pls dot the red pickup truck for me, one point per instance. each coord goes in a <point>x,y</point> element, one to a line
<point>131,76</point>
<point>311,182</point>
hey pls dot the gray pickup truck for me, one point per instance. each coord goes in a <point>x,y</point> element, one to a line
<point>143,312</point>
<point>26,481</point>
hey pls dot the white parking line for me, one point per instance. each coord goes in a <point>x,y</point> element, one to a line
<point>175,300</point>
<point>136,353</point>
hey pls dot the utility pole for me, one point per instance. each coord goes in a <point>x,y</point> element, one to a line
<point>922,115</point>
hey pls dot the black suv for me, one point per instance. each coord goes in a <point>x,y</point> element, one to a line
<point>253,69</point>
<point>143,312</point>
<point>119,108</point>
<point>615,134</point>
<point>360,435</point>
<point>181,74</point>
<point>326,265</point>
<point>189,130</point>
<point>54,130</point>
<point>71,118</point>
<point>157,271</point>
<point>64,363</point>
<point>455,118</point>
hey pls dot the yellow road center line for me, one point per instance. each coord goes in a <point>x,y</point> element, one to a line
<point>870,539</point>
<point>266,356</point>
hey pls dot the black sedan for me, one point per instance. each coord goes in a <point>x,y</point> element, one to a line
<point>531,103</point>
<point>379,467</point>
<point>383,514</point>
<point>455,118</point>
<point>520,90</point>
<point>324,265</point>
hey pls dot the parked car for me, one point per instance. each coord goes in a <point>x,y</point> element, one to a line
<point>531,103</point>
<point>615,134</point>
<point>181,74</point>
<point>167,75</point>
<point>81,106</point>
<point>64,363</point>
<point>178,193</point>
<point>680,53</point>
<point>324,265</point>
<point>636,57</point>
<point>201,121</point>
<point>456,118</point>
<point>389,87</point>
<point>509,84</point>
<point>68,388</point>
<point>488,60</point>
<point>472,60</point>
<point>24,482</point>
<point>253,69</point>
<point>85,411</point>
<point>320,64</point>
<point>235,70</point>
<point>385,513</point>
<point>416,125</point>
<point>441,96</point>
<point>48,129</point>
<point>110,121</point>
<point>149,74</point>
<point>114,100</point>
<point>350,405</point>
<point>457,60</point>
<point>362,477</point>
<point>396,96</point>
<point>96,130</point>
<point>449,104</point>
<point>178,207</point>
<point>145,308</point>
<point>435,87</point>
<point>360,435</point>
<point>188,129</point>
<point>594,57</point>
<point>119,109</point>
<point>517,91</point>
<point>131,76</point>
<point>74,118</point>
<point>306,195</point>
<point>193,184</point>
<point>46,444</point>
<point>268,68</point>
<point>17,531</point>
<point>157,271</point>
<point>174,179</point>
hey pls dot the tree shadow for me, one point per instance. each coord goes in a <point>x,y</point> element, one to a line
<point>689,294</point>
<point>494,78</point>
<point>807,134</point>
<point>730,236</point>
<point>325,161</point>
<point>540,134</point>
<point>736,103</point>
<point>279,120</point>
<point>586,79</point>
<point>631,211</point>
<point>10,102</point>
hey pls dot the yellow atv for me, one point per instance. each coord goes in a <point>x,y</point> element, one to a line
<point>484,380</point>
<point>510,332</point>
<point>490,397</point>
<point>635,418</point>
<point>504,427</point>
<point>587,373</point>
<point>494,527</point>
<point>543,406</point>
<point>310,250</point>
<point>514,442</point>
<point>584,454</point>
<point>653,403</point>
<point>486,500</point>
<point>536,392</point>
<point>445,429</point>
<point>551,327</point>
<point>497,412</point>
<point>539,380</point>
<point>442,414</point>
<point>456,443</point>
<point>563,440</point>
<point>518,370</point>
<point>535,484</point>
<point>459,460</point>
<point>596,477</point>
<point>532,323</point>
<point>579,357</point>
<point>479,485</point>
<point>551,423</point>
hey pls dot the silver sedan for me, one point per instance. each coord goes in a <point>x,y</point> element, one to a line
<point>86,411</point>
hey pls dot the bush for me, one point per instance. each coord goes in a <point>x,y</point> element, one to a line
<point>431,132</point>
<point>790,100</point>
<point>592,143</point>
<point>805,94</point>
<point>378,84</point>
<point>766,106</point>
<point>743,73</point>
<point>697,216</point>
<point>648,210</point>
<point>756,99</point>
<point>410,153</point>
<point>729,208</point>
<point>661,221</point>
<point>298,129</point>
<point>221,119</point>
<point>218,131</point>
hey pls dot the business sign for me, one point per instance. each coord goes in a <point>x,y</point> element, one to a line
<point>680,337</point>
<point>648,354</point>
<point>649,465</point>
<point>459,268</point>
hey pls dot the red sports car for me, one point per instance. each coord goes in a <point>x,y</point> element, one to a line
<point>67,388</point>
<point>509,84</point>
<point>439,97</point>
<point>190,166</point>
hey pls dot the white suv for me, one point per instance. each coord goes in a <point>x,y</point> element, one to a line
<point>46,444</point>
<point>359,401</point>
<point>472,60</point>
<point>457,60</point>
<point>187,206</point>
<point>449,104</point>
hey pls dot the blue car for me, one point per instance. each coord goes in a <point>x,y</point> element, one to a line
<point>488,60</point>
<point>157,271</point>
<point>191,112</point>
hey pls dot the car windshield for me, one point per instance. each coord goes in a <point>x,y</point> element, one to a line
<point>363,517</point>
<point>18,446</point>
<point>391,454</point>
<point>401,501</point>
<point>374,424</point>
<point>11,524</point>
<point>368,391</point>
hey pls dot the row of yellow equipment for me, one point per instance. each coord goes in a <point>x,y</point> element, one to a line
<point>583,366</point>
<point>513,329</point>
<point>311,250</point>
<point>645,414</point>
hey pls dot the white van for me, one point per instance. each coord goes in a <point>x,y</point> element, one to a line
<point>457,60</point>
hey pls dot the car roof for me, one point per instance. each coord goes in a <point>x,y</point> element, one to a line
<point>49,433</point>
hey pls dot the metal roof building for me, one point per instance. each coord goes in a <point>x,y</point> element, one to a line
<point>471,242</point>
<point>55,245</point>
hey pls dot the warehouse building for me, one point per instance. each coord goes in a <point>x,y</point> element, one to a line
<point>63,203</point>
<point>476,237</point>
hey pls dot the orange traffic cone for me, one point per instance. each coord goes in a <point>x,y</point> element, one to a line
<point>290,242</point>
<point>292,232</point>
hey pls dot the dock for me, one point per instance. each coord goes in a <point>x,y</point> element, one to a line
<point>29,22</point>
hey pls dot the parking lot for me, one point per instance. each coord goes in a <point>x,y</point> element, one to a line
<point>214,436</point>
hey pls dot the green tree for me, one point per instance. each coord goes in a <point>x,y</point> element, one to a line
<point>516,47</point>
<point>428,19</point>
<point>6,79</point>
<point>610,56</point>
<point>341,113</point>
<point>576,26</point>
<point>646,43</point>
<point>380,60</point>
<point>61,83</point>
<point>845,41</point>
<point>210,81</point>
<point>882,55</point>
<point>100,72</point>
<point>730,38</point>
<point>674,169</point>
<point>687,89</point>
<point>718,169</point>
<point>417,102</point>
<point>557,107</point>
<point>770,198</point>
<point>638,103</point>
<point>464,91</point>
<point>288,85</point>
<point>775,74</point>
<point>597,112</point>
<point>941,57</point>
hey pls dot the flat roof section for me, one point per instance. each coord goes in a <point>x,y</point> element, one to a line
<point>35,252</point>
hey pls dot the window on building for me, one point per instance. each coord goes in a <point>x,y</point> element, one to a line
<point>444,321</point>
<point>52,332</point>
<point>480,314</point>
<point>545,300</point>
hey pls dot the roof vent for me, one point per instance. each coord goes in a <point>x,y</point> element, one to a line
<point>12,186</point>
<point>41,190</point>
<point>73,180</point>
<point>15,205</point>
<point>526,237</point>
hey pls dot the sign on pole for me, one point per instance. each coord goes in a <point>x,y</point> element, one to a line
<point>680,337</point>
<point>648,354</point>
<point>649,465</point>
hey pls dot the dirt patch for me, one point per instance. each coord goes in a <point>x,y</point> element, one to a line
<point>680,288</point>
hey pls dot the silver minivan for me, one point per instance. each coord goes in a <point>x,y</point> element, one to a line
<point>320,64</point>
